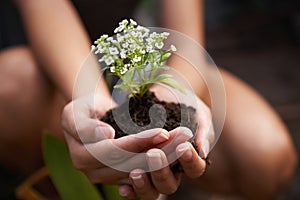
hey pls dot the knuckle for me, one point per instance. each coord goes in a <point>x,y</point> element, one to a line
<point>78,162</point>
<point>66,116</point>
<point>93,178</point>
<point>79,165</point>
<point>172,188</point>
<point>195,174</point>
<point>67,109</point>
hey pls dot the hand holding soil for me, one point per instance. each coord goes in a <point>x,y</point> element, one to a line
<point>155,135</point>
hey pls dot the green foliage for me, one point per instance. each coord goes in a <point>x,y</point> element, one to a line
<point>111,193</point>
<point>69,182</point>
<point>136,56</point>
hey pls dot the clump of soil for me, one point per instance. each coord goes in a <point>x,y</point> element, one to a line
<point>167,115</point>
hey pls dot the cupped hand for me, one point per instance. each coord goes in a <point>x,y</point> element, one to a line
<point>92,147</point>
<point>161,178</point>
<point>190,154</point>
<point>204,134</point>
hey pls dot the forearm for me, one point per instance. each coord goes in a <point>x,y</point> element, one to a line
<point>57,39</point>
<point>184,16</point>
<point>187,18</point>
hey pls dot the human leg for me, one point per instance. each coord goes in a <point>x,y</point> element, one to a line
<point>29,104</point>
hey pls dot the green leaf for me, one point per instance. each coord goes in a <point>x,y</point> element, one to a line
<point>165,56</point>
<point>128,76</point>
<point>111,192</point>
<point>69,182</point>
<point>162,77</point>
<point>172,83</point>
<point>164,67</point>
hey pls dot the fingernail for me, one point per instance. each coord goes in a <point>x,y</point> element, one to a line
<point>154,161</point>
<point>185,151</point>
<point>104,132</point>
<point>138,180</point>
<point>205,148</point>
<point>162,137</point>
<point>188,132</point>
<point>184,136</point>
<point>123,192</point>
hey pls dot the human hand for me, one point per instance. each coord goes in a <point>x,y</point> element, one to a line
<point>92,147</point>
<point>162,179</point>
<point>204,134</point>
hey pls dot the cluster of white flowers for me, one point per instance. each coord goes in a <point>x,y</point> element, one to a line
<point>133,47</point>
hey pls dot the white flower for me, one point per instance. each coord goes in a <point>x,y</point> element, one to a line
<point>145,34</point>
<point>165,34</point>
<point>122,26</point>
<point>132,22</point>
<point>173,48</point>
<point>100,49</point>
<point>120,38</point>
<point>143,29</point>
<point>136,58</point>
<point>101,39</point>
<point>113,50</point>
<point>125,45</point>
<point>109,39</point>
<point>123,54</point>
<point>149,40</point>
<point>134,33</point>
<point>109,60</point>
<point>133,46</point>
<point>112,69</point>
<point>149,48</point>
<point>159,45</point>
<point>142,51</point>
<point>124,70</point>
<point>127,66</point>
<point>118,29</point>
<point>104,36</point>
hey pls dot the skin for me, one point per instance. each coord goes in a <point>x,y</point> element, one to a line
<point>50,74</point>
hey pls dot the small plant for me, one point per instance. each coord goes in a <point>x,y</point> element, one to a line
<point>136,56</point>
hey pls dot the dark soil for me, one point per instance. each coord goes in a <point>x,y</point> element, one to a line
<point>176,114</point>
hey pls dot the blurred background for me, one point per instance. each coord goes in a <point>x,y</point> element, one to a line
<point>259,41</point>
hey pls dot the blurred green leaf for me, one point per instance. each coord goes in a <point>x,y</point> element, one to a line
<point>162,77</point>
<point>111,192</point>
<point>69,182</point>
<point>172,83</point>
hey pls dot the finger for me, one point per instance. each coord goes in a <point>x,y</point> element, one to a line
<point>177,136</point>
<point>205,131</point>
<point>81,117</point>
<point>82,126</point>
<point>192,165</point>
<point>117,153</point>
<point>138,160</point>
<point>107,175</point>
<point>82,159</point>
<point>127,192</point>
<point>143,141</point>
<point>142,185</point>
<point>162,177</point>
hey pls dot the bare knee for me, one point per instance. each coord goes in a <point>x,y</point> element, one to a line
<point>19,73</point>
